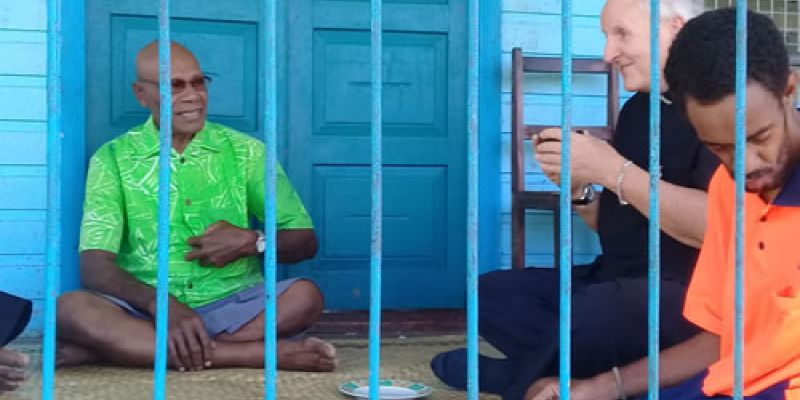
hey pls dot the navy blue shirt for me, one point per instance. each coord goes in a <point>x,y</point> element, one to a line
<point>623,230</point>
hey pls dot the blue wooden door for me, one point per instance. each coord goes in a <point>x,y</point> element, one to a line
<point>325,137</point>
<point>424,147</point>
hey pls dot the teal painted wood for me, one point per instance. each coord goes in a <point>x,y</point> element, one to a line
<point>424,139</point>
<point>23,15</point>
<point>540,34</point>
<point>23,127</point>
<point>490,142</point>
<point>27,137</point>
<point>24,53</point>
<point>22,233</point>
<point>579,8</point>
<point>26,195</point>
<point>73,144</point>
<point>376,209</point>
<point>33,91</point>
<point>270,111</point>
<point>739,174</point>
<point>55,95</point>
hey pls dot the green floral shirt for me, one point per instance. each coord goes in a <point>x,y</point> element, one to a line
<point>219,176</point>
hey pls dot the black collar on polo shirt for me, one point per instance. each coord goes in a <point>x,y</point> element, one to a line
<point>790,193</point>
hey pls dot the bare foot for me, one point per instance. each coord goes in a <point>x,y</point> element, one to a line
<point>68,354</point>
<point>12,369</point>
<point>311,355</point>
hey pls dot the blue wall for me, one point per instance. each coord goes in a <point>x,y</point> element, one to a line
<point>23,119</point>
<point>23,127</point>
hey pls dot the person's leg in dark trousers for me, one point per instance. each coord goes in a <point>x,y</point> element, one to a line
<point>516,307</point>
<point>15,313</point>
<point>692,389</point>
<point>609,328</point>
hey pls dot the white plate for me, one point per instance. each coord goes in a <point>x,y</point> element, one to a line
<point>390,389</point>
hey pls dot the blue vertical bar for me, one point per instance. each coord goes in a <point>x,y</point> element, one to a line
<point>654,219</point>
<point>269,38</point>
<point>472,198</point>
<point>54,143</point>
<point>739,172</point>
<point>376,251</point>
<point>164,172</point>
<point>565,217</point>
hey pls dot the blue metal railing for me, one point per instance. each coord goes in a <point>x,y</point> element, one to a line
<point>739,174</point>
<point>54,143</point>
<point>270,137</point>
<point>654,219</point>
<point>565,200</point>
<point>473,43</point>
<point>164,176</point>
<point>269,34</point>
<point>376,250</point>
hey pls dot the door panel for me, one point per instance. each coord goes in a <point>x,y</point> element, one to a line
<point>224,39</point>
<point>325,137</point>
<point>424,147</point>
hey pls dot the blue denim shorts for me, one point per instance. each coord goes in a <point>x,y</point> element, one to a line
<point>225,315</point>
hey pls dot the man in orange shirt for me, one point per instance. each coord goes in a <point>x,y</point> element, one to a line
<point>700,75</point>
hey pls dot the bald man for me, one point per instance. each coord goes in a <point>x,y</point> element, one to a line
<point>216,297</point>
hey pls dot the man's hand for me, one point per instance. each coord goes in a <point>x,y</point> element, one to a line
<point>593,160</point>
<point>597,388</point>
<point>189,345</point>
<point>543,389</point>
<point>221,244</point>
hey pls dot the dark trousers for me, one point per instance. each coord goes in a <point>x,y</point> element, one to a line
<point>692,390</point>
<point>519,316</point>
<point>15,313</point>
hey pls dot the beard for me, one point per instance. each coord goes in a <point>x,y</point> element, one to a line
<point>773,177</point>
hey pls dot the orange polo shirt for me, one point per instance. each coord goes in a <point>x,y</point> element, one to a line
<point>771,287</point>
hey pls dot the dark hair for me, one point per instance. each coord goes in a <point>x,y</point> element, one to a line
<point>702,59</point>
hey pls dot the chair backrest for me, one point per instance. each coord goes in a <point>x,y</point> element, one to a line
<point>521,132</point>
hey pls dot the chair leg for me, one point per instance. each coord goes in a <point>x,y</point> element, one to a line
<point>556,236</point>
<point>517,237</point>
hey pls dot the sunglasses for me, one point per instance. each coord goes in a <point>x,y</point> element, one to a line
<point>199,84</point>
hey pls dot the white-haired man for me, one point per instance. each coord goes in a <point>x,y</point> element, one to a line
<point>519,308</point>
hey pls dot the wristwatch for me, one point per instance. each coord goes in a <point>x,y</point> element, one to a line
<point>588,195</point>
<point>261,242</point>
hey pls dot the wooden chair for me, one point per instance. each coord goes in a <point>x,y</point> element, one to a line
<point>522,199</point>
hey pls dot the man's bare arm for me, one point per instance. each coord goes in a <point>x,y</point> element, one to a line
<point>677,364</point>
<point>295,245</point>
<point>683,209</point>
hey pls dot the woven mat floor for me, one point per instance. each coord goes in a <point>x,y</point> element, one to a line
<point>400,359</point>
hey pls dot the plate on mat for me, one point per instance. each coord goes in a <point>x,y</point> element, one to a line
<point>390,389</point>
